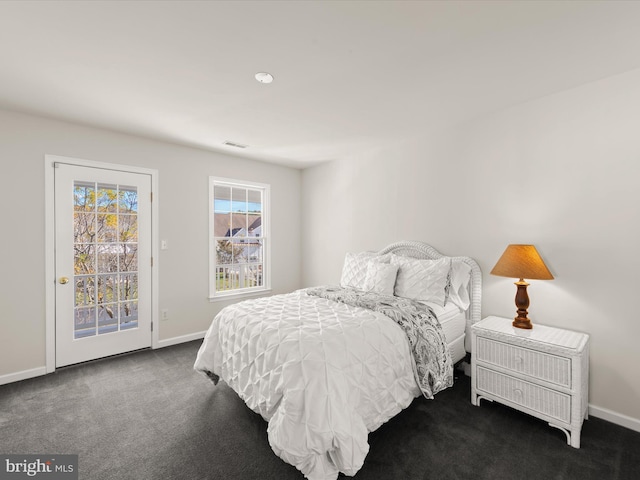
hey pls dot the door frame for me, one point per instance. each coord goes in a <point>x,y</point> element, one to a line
<point>49,232</point>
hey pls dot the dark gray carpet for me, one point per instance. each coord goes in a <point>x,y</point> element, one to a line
<point>148,415</point>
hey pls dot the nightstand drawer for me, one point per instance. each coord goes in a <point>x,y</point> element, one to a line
<point>539,365</point>
<point>534,397</point>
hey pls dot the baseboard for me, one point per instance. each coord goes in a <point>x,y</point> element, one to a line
<point>36,372</point>
<point>615,417</point>
<point>23,375</point>
<point>181,339</point>
<point>594,411</point>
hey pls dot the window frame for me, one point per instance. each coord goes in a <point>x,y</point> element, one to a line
<point>265,236</point>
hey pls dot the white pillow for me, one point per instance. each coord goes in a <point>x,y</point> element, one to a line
<point>380,278</point>
<point>421,279</point>
<point>354,269</point>
<point>458,292</point>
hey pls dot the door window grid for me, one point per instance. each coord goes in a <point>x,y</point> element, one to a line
<point>105,256</point>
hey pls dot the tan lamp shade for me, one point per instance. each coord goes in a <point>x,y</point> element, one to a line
<point>522,261</point>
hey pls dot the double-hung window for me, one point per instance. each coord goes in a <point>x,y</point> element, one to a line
<point>239,237</point>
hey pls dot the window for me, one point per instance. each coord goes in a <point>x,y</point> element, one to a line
<point>239,237</point>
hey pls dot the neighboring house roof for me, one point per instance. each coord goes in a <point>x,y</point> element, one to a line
<point>224,222</point>
<point>257,223</point>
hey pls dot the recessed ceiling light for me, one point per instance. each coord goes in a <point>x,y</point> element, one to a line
<point>264,77</point>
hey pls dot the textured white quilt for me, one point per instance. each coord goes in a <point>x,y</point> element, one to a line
<point>323,374</point>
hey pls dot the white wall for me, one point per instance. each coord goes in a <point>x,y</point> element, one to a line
<point>560,172</point>
<point>183,204</point>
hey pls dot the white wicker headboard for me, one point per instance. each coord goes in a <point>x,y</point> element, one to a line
<point>425,251</point>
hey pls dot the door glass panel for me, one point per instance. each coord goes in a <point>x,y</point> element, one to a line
<point>107,227</point>
<point>105,258</point>
<point>107,290</point>
<point>84,196</point>
<point>107,318</point>
<point>84,322</point>
<point>128,287</point>
<point>85,290</point>
<point>128,199</point>
<point>128,228</point>
<point>128,258</point>
<point>107,198</point>
<point>84,227</point>
<point>84,259</point>
<point>128,315</point>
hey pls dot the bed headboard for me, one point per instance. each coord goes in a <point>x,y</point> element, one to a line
<point>426,251</point>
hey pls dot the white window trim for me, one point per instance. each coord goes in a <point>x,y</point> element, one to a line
<point>266,229</point>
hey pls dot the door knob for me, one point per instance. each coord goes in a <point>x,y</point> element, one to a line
<point>63,280</point>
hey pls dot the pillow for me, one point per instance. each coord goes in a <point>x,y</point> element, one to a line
<point>380,278</point>
<point>421,279</point>
<point>354,269</point>
<point>458,288</point>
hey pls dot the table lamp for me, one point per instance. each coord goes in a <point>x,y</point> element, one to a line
<point>522,261</point>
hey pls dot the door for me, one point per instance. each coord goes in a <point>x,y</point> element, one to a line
<point>102,262</point>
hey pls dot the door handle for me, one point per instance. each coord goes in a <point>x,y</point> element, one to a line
<point>63,280</point>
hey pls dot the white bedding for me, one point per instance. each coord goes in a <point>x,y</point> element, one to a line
<point>323,374</point>
<point>453,322</point>
<point>451,318</point>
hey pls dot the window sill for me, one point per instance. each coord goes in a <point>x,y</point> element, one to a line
<point>236,295</point>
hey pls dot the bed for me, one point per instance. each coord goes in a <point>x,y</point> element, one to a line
<point>327,365</point>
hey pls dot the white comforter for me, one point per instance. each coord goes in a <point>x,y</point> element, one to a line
<point>323,374</point>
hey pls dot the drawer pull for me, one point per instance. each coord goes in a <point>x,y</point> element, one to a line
<point>517,392</point>
<point>519,360</point>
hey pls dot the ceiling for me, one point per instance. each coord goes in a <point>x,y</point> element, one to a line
<point>349,76</point>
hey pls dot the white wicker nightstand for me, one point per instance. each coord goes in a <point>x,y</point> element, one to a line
<point>543,372</point>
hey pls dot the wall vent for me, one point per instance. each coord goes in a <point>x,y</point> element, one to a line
<point>233,144</point>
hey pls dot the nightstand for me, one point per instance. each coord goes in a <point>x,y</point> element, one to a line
<point>543,372</point>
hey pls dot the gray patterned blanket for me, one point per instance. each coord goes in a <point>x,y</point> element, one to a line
<point>433,367</point>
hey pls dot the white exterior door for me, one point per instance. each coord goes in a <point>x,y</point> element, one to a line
<point>102,262</point>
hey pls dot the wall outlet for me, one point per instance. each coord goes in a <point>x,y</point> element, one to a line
<point>164,314</point>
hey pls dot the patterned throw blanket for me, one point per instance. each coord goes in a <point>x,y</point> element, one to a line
<point>433,367</point>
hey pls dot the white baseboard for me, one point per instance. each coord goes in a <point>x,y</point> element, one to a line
<point>23,375</point>
<point>615,417</point>
<point>36,372</point>
<point>181,339</point>
<point>595,411</point>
